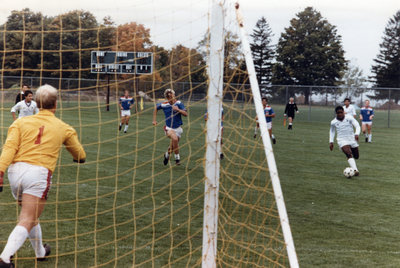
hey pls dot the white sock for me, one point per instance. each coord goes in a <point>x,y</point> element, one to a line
<point>35,236</point>
<point>370,137</point>
<point>272,136</point>
<point>166,154</point>
<point>126,127</point>
<point>290,124</point>
<point>14,242</point>
<point>352,163</point>
<point>177,157</point>
<point>120,124</point>
<point>255,130</point>
<point>366,135</point>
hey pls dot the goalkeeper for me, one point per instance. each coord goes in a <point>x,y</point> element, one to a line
<point>30,153</point>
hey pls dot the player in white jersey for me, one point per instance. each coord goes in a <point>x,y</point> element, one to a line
<point>346,138</point>
<point>348,108</point>
<point>25,107</point>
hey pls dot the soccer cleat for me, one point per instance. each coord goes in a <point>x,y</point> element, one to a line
<point>274,141</point>
<point>165,160</point>
<point>47,248</point>
<point>177,162</point>
<point>120,127</point>
<point>289,127</point>
<point>125,131</point>
<point>6,265</point>
<point>366,139</point>
<point>255,136</point>
<point>356,173</point>
<point>221,156</point>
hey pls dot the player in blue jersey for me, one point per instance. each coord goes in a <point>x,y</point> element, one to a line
<point>173,110</point>
<point>366,116</point>
<point>221,155</point>
<point>125,104</point>
<point>269,114</point>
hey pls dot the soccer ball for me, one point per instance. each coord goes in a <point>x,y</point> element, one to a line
<point>348,172</point>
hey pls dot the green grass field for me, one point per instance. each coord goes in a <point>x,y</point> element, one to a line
<point>107,213</point>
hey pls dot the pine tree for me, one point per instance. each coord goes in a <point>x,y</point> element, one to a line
<point>263,53</point>
<point>387,63</point>
<point>309,52</point>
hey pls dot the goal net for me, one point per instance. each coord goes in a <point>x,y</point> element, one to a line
<point>124,207</point>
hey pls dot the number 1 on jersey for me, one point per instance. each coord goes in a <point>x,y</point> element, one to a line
<point>39,137</point>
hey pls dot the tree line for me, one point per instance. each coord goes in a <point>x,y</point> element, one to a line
<point>309,52</point>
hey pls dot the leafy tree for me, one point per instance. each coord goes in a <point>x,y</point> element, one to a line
<point>232,54</point>
<point>22,42</point>
<point>186,65</point>
<point>387,63</point>
<point>133,37</point>
<point>353,81</point>
<point>263,53</point>
<point>77,37</point>
<point>309,52</point>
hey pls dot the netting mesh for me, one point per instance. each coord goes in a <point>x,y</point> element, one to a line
<point>123,207</point>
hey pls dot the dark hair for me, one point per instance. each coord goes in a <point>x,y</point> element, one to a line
<point>347,99</point>
<point>27,92</point>
<point>264,98</point>
<point>338,108</point>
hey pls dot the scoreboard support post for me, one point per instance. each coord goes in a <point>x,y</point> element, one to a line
<point>121,62</point>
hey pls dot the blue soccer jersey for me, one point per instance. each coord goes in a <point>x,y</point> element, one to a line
<point>365,113</point>
<point>126,102</point>
<point>173,119</point>
<point>268,110</point>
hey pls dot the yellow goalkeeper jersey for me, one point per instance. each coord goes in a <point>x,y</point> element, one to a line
<point>37,140</point>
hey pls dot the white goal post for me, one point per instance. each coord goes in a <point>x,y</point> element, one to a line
<point>214,104</point>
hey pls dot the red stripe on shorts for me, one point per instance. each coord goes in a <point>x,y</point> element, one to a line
<point>44,196</point>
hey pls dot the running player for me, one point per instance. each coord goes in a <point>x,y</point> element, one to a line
<point>349,108</point>
<point>366,116</point>
<point>173,111</point>
<point>25,107</point>
<point>269,114</point>
<point>290,110</point>
<point>125,103</point>
<point>346,137</point>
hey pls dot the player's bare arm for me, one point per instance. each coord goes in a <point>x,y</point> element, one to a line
<point>182,112</point>
<point>155,117</point>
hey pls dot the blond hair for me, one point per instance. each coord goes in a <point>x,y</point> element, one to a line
<point>46,97</point>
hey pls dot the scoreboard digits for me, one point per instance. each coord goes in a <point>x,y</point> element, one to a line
<point>121,62</point>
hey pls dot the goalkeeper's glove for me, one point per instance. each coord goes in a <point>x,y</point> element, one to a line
<point>1,180</point>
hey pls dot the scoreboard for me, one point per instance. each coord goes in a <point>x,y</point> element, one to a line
<point>119,62</point>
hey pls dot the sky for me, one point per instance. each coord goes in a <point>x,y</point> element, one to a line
<point>361,23</point>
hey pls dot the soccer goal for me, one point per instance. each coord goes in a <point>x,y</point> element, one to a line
<point>217,202</point>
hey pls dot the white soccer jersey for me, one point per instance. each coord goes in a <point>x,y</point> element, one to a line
<point>25,109</point>
<point>345,129</point>
<point>349,110</point>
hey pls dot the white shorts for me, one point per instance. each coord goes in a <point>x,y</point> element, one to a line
<point>178,131</point>
<point>367,123</point>
<point>25,178</point>
<point>353,143</point>
<point>125,113</point>
<point>269,124</point>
